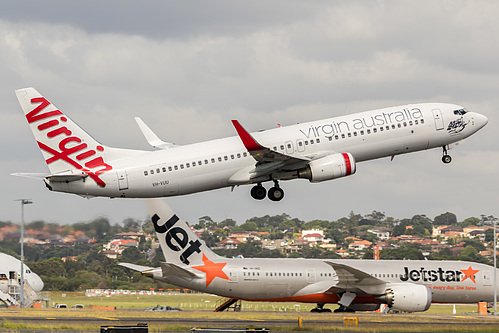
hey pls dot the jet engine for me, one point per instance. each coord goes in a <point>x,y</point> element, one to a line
<point>328,167</point>
<point>407,297</point>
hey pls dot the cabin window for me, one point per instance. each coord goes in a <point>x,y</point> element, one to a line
<point>152,172</point>
<point>176,167</point>
<point>375,130</point>
<point>169,168</point>
<point>349,134</point>
<point>362,132</point>
<point>343,136</point>
<point>354,133</point>
<point>381,129</point>
<point>318,140</point>
<point>145,173</point>
<point>193,164</point>
<point>398,125</point>
<point>368,131</point>
<point>164,169</point>
<point>300,143</point>
<point>238,155</point>
<point>415,122</point>
<point>311,142</point>
<point>245,153</point>
<point>205,161</point>
<point>231,157</point>
<point>158,170</point>
<point>306,142</point>
<point>393,126</point>
<point>181,166</point>
<point>405,124</point>
<point>330,138</point>
<point>289,145</point>
<point>282,147</point>
<point>422,121</point>
<point>188,165</point>
<point>219,159</point>
<point>410,123</point>
<point>226,158</point>
<point>387,127</point>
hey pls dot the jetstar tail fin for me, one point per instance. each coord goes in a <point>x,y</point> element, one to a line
<point>179,243</point>
<point>65,146</point>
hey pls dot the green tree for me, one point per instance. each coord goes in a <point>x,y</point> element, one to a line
<point>445,219</point>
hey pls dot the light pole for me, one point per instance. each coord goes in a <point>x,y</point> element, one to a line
<point>495,267</point>
<point>23,202</point>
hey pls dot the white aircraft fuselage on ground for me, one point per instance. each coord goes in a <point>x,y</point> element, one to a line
<point>318,151</point>
<point>10,264</point>
<point>406,285</point>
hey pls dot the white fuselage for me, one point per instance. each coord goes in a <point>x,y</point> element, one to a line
<point>314,281</point>
<point>219,163</point>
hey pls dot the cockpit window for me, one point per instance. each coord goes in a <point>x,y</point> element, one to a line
<point>460,112</point>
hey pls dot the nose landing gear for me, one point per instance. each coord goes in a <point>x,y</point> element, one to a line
<point>446,157</point>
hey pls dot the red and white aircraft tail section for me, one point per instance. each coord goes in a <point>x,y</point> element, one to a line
<point>71,153</point>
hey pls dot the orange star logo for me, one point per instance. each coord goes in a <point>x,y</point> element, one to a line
<point>470,273</point>
<point>212,270</point>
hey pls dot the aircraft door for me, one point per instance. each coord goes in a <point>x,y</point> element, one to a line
<point>122,180</point>
<point>437,116</point>
<point>289,147</point>
<point>310,275</point>
<point>487,280</point>
<point>232,275</point>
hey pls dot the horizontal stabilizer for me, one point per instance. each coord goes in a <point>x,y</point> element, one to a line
<point>135,267</point>
<point>151,137</point>
<point>68,176</point>
<point>174,270</point>
<point>30,175</point>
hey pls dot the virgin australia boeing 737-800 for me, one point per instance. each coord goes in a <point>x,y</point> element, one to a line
<point>318,151</point>
<point>406,285</point>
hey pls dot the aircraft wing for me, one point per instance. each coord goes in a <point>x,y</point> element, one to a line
<point>267,160</point>
<point>353,279</point>
<point>260,153</point>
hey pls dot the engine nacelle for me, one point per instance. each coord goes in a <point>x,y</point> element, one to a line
<point>407,297</point>
<point>329,167</point>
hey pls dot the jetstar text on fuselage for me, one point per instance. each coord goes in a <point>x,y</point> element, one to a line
<point>380,119</point>
<point>431,275</point>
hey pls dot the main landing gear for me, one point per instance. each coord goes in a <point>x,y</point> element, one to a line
<point>275,193</point>
<point>320,308</point>
<point>446,157</point>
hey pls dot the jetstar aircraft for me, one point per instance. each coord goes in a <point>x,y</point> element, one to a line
<point>318,151</point>
<point>406,285</point>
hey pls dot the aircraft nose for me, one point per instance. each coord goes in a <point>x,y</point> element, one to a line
<point>481,120</point>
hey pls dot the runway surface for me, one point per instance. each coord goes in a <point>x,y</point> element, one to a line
<point>379,323</point>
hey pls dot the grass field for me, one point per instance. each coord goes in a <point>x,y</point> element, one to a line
<point>208,302</point>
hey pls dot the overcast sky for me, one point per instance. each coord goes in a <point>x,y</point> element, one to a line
<point>188,67</point>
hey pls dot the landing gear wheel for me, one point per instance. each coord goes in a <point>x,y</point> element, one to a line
<point>320,308</point>
<point>446,159</point>
<point>276,194</point>
<point>258,192</point>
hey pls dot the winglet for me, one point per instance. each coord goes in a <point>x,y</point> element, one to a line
<point>151,137</point>
<point>249,142</point>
